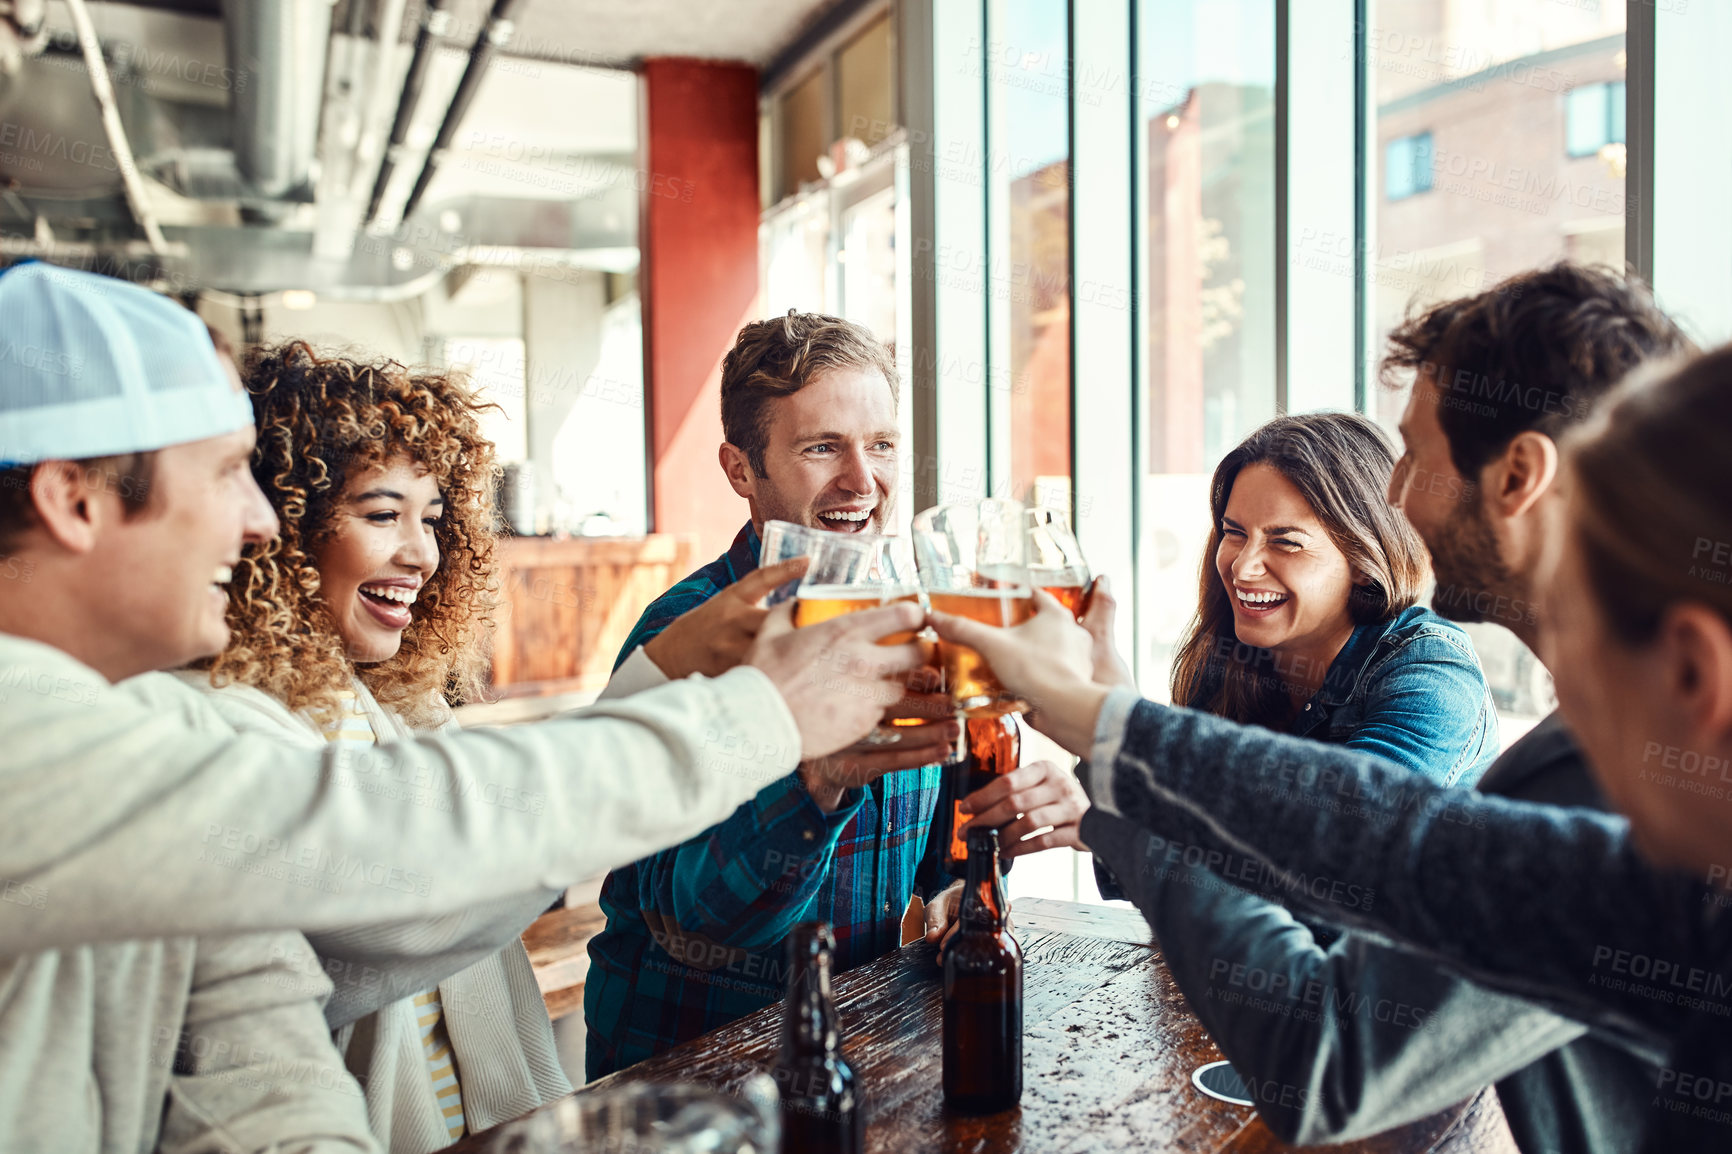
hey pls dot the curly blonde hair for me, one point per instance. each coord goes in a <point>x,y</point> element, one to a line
<point>322,418</point>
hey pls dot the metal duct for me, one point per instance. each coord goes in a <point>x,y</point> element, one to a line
<point>278,47</point>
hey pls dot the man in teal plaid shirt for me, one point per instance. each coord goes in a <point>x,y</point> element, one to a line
<point>694,935</point>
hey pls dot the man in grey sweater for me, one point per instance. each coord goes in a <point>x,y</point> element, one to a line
<point>141,856</point>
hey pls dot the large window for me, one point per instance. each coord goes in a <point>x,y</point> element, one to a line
<point>1150,225</point>
<point>1029,199</point>
<point>1521,105</point>
<point>1206,115</point>
<point>1516,102</point>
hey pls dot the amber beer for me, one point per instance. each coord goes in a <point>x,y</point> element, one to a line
<point>970,680</point>
<point>991,746</point>
<point>983,993</point>
<point>816,603</point>
<point>822,1108</point>
<point>1069,590</point>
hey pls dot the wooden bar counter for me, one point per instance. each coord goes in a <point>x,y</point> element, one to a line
<point>1109,1048</point>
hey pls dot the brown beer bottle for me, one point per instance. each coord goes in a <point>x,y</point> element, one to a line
<point>822,1109</point>
<point>983,992</point>
<point>991,747</point>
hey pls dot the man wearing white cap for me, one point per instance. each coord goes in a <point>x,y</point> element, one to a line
<point>125,496</point>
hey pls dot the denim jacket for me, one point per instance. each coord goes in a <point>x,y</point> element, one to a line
<point>1549,904</point>
<point>1410,690</point>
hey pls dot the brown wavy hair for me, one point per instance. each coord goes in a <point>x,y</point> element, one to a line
<point>322,418</point>
<point>779,357</point>
<point>1340,463</point>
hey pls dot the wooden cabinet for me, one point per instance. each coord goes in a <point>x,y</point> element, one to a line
<point>568,605</point>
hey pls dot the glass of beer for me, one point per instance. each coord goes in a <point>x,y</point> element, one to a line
<point>973,562</point>
<point>784,541</point>
<point>852,573</point>
<point>1055,560</point>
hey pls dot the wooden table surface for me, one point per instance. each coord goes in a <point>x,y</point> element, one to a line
<point>1109,1047</point>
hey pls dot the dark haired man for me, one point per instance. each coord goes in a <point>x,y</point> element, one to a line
<point>1341,1039</point>
<point>694,934</point>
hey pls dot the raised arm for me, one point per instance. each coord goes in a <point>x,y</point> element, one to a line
<point>240,833</point>
<point>1535,900</point>
<point>1341,1041</point>
<point>1335,1043</point>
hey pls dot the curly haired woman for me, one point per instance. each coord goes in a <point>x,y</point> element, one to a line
<point>358,625</point>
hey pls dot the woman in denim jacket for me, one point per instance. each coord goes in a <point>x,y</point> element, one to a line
<point>1307,619</point>
<point>1308,625</point>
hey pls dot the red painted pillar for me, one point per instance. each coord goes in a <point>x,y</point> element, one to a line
<point>699,280</point>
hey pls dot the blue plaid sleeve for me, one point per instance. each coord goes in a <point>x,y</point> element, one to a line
<point>750,879</point>
<point>681,599</point>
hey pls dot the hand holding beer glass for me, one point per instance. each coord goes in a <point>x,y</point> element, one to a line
<point>847,574</point>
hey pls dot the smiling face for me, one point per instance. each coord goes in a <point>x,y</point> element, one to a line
<point>830,459</point>
<point>176,556</point>
<point>1286,579</point>
<point>380,551</point>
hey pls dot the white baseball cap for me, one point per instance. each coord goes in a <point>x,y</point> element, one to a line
<point>91,366</point>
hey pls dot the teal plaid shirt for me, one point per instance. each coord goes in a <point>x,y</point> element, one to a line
<point>695,934</point>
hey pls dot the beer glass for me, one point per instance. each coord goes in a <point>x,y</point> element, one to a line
<point>784,541</point>
<point>852,573</point>
<point>858,572</point>
<point>973,563</point>
<point>1055,560</point>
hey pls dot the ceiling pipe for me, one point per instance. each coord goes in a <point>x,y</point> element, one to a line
<point>112,128</point>
<point>280,47</point>
<point>435,24</point>
<point>378,96</point>
<point>500,24</point>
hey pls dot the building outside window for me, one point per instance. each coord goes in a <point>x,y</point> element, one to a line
<point>1593,118</point>
<point>1407,166</point>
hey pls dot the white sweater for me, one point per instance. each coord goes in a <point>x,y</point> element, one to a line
<point>494,1011</point>
<point>146,822</point>
<point>178,1045</point>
